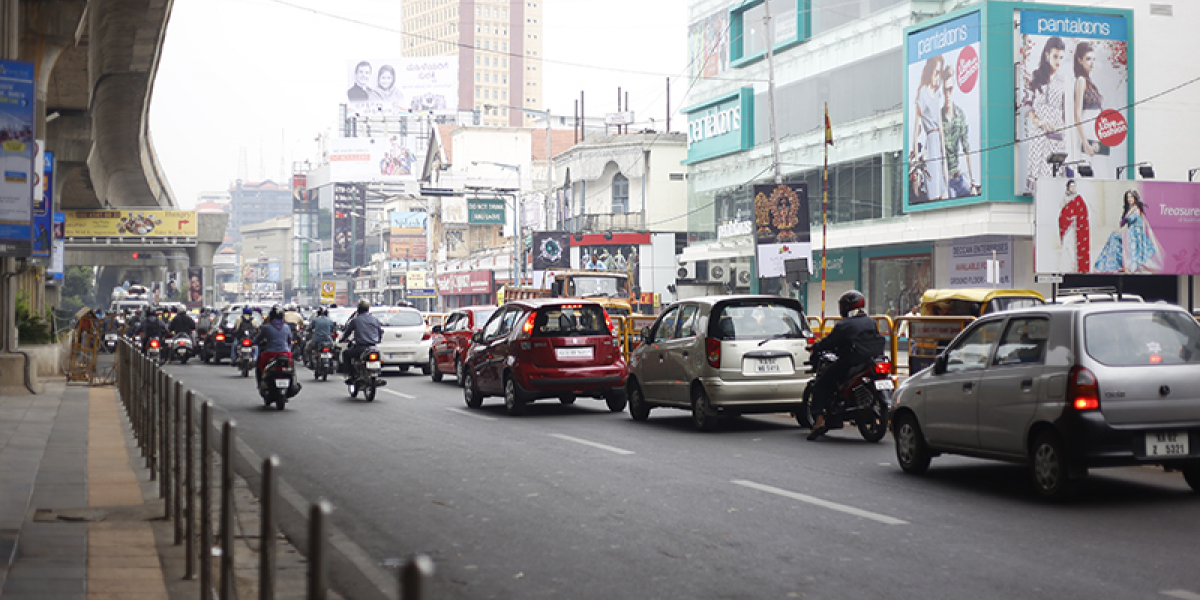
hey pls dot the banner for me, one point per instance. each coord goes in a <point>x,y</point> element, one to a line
<point>781,226</point>
<point>471,282</point>
<point>43,210</point>
<point>1097,226</point>
<point>348,244</point>
<point>550,251</point>
<point>131,223</point>
<point>59,248</point>
<point>708,46</point>
<point>328,292</point>
<point>396,86</point>
<point>304,200</point>
<point>1072,82</point>
<point>419,284</point>
<point>942,111</point>
<point>195,289</point>
<point>16,157</point>
<point>389,159</point>
<point>969,262</point>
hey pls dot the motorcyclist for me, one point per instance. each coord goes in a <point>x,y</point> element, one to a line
<point>205,321</point>
<point>366,330</point>
<point>322,331</point>
<point>244,327</point>
<point>151,327</point>
<point>856,341</point>
<point>275,338</point>
<point>183,324</point>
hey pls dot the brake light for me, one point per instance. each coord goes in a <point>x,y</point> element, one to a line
<point>571,306</point>
<point>527,328</point>
<point>608,320</point>
<point>1082,389</point>
<point>245,341</point>
<point>220,337</point>
<point>324,349</point>
<point>181,342</point>
<point>712,349</point>
<point>427,335</point>
<point>373,357</point>
<point>153,343</point>
<point>883,368</point>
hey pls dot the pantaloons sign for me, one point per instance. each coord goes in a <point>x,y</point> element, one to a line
<point>721,126</point>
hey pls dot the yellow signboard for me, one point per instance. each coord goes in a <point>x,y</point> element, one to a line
<point>419,280</point>
<point>328,292</point>
<point>131,223</point>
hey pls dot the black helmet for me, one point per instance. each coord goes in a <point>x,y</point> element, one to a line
<point>851,300</point>
<point>363,306</point>
<point>322,312</point>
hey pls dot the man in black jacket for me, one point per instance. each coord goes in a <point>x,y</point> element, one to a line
<point>856,341</point>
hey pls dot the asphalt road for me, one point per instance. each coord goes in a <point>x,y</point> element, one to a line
<point>575,502</point>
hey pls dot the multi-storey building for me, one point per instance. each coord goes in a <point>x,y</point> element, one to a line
<point>255,202</point>
<point>499,48</point>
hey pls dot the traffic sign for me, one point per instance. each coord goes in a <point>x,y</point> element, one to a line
<point>328,292</point>
<point>1049,278</point>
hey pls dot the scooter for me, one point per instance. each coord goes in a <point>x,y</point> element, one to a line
<point>180,348</point>
<point>365,374</point>
<point>278,381</point>
<point>245,356</point>
<point>323,362</point>
<point>110,342</point>
<point>154,351</point>
<point>864,398</point>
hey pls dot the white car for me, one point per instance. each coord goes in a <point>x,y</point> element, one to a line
<point>406,338</point>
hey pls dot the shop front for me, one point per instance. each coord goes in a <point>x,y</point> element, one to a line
<point>896,276</point>
<point>468,288</point>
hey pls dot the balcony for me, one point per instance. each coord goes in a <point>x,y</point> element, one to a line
<point>606,222</point>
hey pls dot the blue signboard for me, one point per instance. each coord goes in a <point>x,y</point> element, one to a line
<point>16,157</point>
<point>43,207</point>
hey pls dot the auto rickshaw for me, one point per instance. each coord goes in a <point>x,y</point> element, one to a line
<point>931,337</point>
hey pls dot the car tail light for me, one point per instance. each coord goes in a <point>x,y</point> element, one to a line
<point>1082,389</point>
<point>883,368</point>
<point>712,349</point>
<point>527,328</point>
<point>245,341</point>
<point>426,335</point>
<point>153,343</point>
<point>571,306</point>
<point>373,357</point>
<point>220,337</point>
<point>608,320</point>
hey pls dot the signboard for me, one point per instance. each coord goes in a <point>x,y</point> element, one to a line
<point>969,261</point>
<point>419,284</point>
<point>304,200</point>
<point>1058,55</point>
<point>550,250</point>
<point>389,159</point>
<point>195,289</point>
<point>408,247</point>
<point>781,218</point>
<point>131,223</point>
<point>485,211</point>
<point>454,211</point>
<point>720,126</point>
<point>398,86</point>
<point>471,282</point>
<point>1115,226</point>
<point>16,157</point>
<point>328,292</point>
<point>348,244</point>
<point>59,248</point>
<point>408,223</point>
<point>43,208</point>
<point>942,111</point>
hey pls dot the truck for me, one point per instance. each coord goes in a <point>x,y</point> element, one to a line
<point>609,288</point>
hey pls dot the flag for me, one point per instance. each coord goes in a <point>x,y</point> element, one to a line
<point>828,127</point>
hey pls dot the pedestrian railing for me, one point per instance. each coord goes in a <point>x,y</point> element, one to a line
<point>163,415</point>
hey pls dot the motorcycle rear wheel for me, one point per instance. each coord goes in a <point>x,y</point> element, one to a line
<point>873,423</point>
<point>369,393</point>
<point>280,403</point>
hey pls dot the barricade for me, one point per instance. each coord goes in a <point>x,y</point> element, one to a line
<point>162,413</point>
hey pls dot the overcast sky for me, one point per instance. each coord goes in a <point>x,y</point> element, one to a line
<point>268,75</point>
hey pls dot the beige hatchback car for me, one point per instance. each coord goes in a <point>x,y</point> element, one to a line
<point>722,355</point>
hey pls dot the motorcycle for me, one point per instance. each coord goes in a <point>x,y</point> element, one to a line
<point>180,348</point>
<point>365,374</point>
<point>213,353</point>
<point>154,351</point>
<point>323,362</point>
<point>864,398</point>
<point>110,342</point>
<point>278,381</point>
<point>245,356</point>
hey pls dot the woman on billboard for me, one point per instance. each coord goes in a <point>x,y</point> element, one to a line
<point>1046,99</point>
<point>929,121</point>
<point>1088,101</point>
<point>1132,248</point>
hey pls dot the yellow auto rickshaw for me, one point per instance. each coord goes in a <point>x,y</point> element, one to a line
<point>929,337</point>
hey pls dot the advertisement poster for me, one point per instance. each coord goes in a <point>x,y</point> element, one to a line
<point>408,223</point>
<point>942,113</point>
<point>304,200</point>
<point>1115,226</point>
<point>195,289</point>
<point>708,46</point>
<point>16,157</point>
<point>383,159</point>
<point>419,284</point>
<point>43,211</point>
<point>411,248</point>
<point>131,223</point>
<point>349,231</point>
<point>781,226</point>
<point>389,87</point>
<point>969,262</point>
<point>1072,82</point>
<point>58,248</point>
<point>550,251</point>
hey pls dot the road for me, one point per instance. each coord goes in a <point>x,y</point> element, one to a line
<point>575,502</point>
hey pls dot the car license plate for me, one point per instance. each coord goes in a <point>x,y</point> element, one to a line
<point>326,355</point>
<point>767,366</point>
<point>584,352</point>
<point>375,365</point>
<point>1167,443</point>
<point>884,384</point>
<point>282,383</point>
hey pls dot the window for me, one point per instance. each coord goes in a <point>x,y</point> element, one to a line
<point>747,42</point>
<point>1023,342</point>
<point>665,329</point>
<point>620,194</point>
<point>687,321</point>
<point>504,95</point>
<point>477,78</point>
<point>971,353</point>
<point>1128,338</point>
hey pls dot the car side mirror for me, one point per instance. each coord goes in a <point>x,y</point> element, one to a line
<point>646,334</point>
<point>477,336</point>
<point>939,364</point>
<point>437,329</point>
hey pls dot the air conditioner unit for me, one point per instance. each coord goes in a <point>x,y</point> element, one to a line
<point>743,273</point>
<point>718,272</point>
<point>686,271</point>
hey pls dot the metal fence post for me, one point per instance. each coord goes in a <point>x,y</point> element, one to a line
<point>177,462</point>
<point>266,537</point>
<point>205,501</point>
<point>416,571</point>
<point>317,587</point>
<point>227,583</point>
<point>163,458</point>
<point>189,514</point>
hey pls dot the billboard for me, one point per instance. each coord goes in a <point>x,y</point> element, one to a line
<point>708,46</point>
<point>385,159</point>
<point>195,289</point>
<point>389,87</point>
<point>349,232</point>
<point>1116,226</point>
<point>550,250</point>
<point>304,200</point>
<point>131,223</point>
<point>942,110</point>
<point>59,248</point>
<point>419,284</point>
<point>1072,87</point>
<point>412,248</point>
<point>782,228</point>
<point>408,223</point>
<point>16,157</point>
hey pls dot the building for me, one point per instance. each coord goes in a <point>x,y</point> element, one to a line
<point>892,233</point>
<point>266,266</point>
<point>499,48</point>
<point>255,202</point>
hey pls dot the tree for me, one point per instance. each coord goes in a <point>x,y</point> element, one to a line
<point>79,289</point>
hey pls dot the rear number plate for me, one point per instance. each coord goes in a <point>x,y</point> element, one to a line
<point>281,383</point>
<point>374,365</point>
<point>767,366</point>
<point>326,355</point>
<point>884,384</point>
<point>1167,443</point>
<point>585,352</point>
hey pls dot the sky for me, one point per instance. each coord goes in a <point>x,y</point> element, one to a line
<point>264,78</point>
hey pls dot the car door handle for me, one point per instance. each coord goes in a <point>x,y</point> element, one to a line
<point>968,386</point>
<point>1026,384</point>
<point>685,354</point>
<point>661,356</point>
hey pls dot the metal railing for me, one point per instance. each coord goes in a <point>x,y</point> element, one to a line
<point>924,332</point>
<point>162,412</point>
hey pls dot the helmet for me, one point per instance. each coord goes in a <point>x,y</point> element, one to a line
<point>322,312</point>
<point>363,306</point>
<point>276,313</point>
<point>851,300</point>
<point>246,310</point>
<point>292,308</point>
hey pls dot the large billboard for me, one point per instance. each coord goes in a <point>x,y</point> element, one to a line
<point>384,159</point>
<point>781,227</point>
<point>407,236</point>
<point>1072,90</point>
<point>349,231</point>
<point>1116,226</point>
<point>550,250</point>
<point>708,46</point>
<point>16,157</point>
<point>131,223</point>
<point>402,85</point>
<point>942,107</point>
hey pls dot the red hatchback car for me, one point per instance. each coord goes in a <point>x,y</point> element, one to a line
<point>546,348</point>
<point>451,340</point>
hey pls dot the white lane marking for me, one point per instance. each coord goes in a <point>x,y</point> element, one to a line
<point>465,412</point>
<point>1182,594</point>
<point>592,444</point>
<point>819,502</point>
<point>401,394</point>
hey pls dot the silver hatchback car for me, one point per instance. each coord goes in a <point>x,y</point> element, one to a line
<point>721,355</point>
<point>1062,389</point>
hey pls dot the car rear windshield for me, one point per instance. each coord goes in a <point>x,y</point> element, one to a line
<point>555,321</point>
<point>758,320</point>
<point>399,318</point>
<point>1135,338</point>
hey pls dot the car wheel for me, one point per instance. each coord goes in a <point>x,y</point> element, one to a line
<point>470,394</point>
<point>638,408</point>
<point>432,370</point>
<point>615,400</point>
<point>1192,476</point>
<point>911,451</point>
<point>429,368</point>
<point>514,401</point>
<point>1049,466</point>
<point>567,399</point>
<point>458,371</point>
<point>702,416</point>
